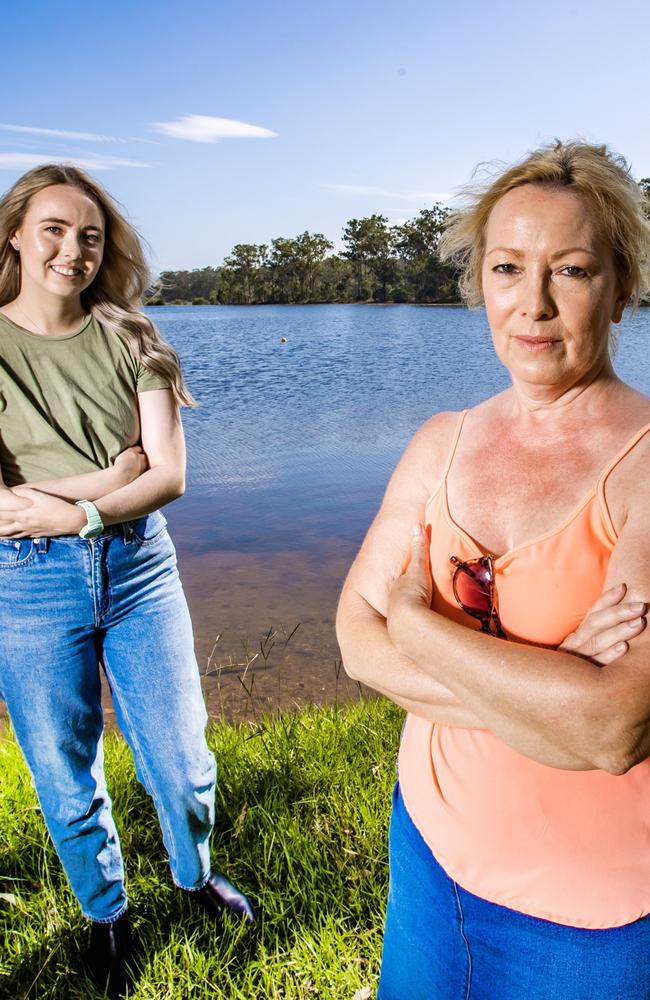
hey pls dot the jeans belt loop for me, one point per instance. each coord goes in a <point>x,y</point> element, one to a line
<point>41,544</point>
<point>127,532</point>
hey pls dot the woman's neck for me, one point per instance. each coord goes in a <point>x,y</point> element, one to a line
<point>541,402</point>
<point>47,315</point>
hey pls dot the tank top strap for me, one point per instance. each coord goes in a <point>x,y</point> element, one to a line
<point>442,482</point>
<point>625,450</point>
<point>454,444</point>
<point>602,479</point>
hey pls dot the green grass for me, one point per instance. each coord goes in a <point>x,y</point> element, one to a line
<point>302,814</point>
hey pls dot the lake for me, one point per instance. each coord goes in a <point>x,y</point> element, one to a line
<point>304,413</point>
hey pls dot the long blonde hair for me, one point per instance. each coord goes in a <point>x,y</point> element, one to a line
<point>116,295</point>
<point>595,172</point>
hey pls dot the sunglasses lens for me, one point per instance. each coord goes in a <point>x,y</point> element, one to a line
<point>474,591</point>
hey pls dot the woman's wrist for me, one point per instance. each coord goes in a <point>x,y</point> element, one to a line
<point>78,519</point>
<point>405,625</point>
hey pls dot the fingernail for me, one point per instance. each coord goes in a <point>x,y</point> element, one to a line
<point>637,608</point>
<point>635,623</point>
<point>621,647</point>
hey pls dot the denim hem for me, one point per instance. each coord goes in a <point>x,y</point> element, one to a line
<point>108,920</point>
<point>192,888</point>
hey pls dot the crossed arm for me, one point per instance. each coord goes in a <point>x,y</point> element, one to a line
<point>141,480</point>
<point>583,706</point>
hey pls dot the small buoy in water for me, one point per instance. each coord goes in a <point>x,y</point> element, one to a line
<point>283,340</point>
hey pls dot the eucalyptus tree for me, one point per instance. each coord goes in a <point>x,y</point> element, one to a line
<point>416,242</point>
<point>244,263</point>
<point>281,269</point>
<point>369,246</point>
<point>335,280</point>
<point>311,250</point>
<point>295,264</point>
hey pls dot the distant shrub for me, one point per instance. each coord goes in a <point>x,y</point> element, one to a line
<point>200,301</point>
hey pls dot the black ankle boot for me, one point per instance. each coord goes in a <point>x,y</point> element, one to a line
<point>218,893</point>
<point>110,957</point>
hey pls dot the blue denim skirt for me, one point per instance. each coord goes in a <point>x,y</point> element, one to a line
<point>443,943</point>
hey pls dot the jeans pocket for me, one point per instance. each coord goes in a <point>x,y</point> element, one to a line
<point>15,552</point>
<point>149,528</point>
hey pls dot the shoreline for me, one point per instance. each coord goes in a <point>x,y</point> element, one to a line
<point>263,626</point>
<point>363,302</point>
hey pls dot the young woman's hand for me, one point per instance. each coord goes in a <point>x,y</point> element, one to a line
<point>605,631</point>
<point>35,515</point>
<point>9,501</point>
<point>130,464</point>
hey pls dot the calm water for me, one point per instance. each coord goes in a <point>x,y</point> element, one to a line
<point>294,441</point>
<point>288,457</point>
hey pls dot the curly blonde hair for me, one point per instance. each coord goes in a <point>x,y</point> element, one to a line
<point>601,176</point>
<point>116,295</point>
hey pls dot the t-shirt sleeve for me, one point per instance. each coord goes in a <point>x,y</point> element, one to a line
<point>148,379</point>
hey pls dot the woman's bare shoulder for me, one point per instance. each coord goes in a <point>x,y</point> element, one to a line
<point>386,547</point>
<point>430,444</point>
<point>430,447</point>
<point>633,468</point>
<point>626,485</point>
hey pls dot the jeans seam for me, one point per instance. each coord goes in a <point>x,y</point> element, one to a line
<point>93,582</point>
<point>107,602</point>
<point>461,928</point>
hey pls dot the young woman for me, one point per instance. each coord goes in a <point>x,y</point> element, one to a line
<point>91,445</point>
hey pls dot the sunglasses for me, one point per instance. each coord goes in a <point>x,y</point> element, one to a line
<point>476,593</point>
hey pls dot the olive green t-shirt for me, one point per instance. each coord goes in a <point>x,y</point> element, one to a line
<point>68,405</point>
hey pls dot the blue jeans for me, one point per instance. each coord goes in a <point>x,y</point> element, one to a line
<point>443,943</point>
<point>67,604</point>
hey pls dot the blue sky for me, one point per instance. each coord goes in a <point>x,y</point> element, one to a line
<point>374,105</point>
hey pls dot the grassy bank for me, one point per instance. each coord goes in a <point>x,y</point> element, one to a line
<point>303,805</point>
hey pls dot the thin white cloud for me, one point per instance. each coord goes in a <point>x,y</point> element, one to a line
<point>57,133</point>
<point>204,128</point>
<point>18,161</point>
<point>378,192</point>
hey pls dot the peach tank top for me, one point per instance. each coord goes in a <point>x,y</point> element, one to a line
<point>568,846</point>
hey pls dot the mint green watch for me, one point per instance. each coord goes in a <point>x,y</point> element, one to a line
<point>94,524</point>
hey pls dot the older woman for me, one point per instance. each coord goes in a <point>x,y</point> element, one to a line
<point>520,835</point>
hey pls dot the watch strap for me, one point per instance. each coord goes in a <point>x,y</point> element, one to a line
<point>94,524</point>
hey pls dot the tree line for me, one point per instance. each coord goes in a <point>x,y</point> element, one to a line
<point>378,263</point>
